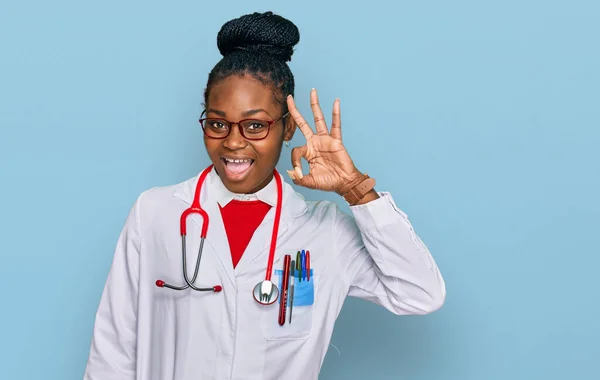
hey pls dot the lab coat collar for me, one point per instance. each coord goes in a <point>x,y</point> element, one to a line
<point>293,206</point>
<point>213,190</point>
<point>267,194</point>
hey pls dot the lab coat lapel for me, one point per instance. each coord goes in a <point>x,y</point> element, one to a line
<point>259,245</point>
<point>258,248</point>
<point>216,237</point>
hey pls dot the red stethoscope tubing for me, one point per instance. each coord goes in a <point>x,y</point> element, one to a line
<point>196,208</point>
<point>275,225</point>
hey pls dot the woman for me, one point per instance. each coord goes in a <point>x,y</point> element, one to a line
<point>143,331</point>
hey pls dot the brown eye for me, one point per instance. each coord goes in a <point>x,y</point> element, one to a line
<point>256,125</point>
<point>216,124</point>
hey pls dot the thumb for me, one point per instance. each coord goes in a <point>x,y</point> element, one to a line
<point>297,154</point>
<point>296,173</point>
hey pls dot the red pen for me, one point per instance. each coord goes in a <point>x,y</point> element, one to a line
<point>308,265</point>
<point>284,289</point>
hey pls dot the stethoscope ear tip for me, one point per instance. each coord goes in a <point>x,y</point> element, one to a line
<point>160,283</point>
<point>217,288</point>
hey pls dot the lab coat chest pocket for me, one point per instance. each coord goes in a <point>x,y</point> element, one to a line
<point>300,306</point>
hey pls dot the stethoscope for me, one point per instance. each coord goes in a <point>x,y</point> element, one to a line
<point>265,292</point>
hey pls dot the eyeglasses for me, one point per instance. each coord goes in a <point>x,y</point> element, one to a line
<point>250,129</point>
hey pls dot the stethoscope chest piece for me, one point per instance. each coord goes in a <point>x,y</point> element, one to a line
<point>265,292</point>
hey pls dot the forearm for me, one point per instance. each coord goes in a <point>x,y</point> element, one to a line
<point>396,268</point>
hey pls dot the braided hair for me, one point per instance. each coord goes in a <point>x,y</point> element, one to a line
<point>260,45</point>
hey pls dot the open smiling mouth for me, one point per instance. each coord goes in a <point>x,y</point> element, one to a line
<point>236,168</point>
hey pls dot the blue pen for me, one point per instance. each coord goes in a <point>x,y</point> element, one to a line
<point>303,258</point>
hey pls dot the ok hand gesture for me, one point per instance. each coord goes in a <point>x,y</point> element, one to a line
<point>330,165</point>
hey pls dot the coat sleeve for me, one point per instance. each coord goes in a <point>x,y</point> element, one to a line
<point>113,349</point>
<point>384,261</point>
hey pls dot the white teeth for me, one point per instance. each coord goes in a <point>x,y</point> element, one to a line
<point>238,161</point>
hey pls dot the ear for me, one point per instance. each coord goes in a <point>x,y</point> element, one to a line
<point>289,128</point>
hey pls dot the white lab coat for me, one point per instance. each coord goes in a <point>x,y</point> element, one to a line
<point>143,332</point>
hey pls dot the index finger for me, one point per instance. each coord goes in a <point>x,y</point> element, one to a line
<point>300,122</point>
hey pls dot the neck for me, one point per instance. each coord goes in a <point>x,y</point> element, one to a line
<point>257,188</point>
<point>262,184</point>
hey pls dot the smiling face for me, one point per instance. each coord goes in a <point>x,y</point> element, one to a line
<point>245,166</point>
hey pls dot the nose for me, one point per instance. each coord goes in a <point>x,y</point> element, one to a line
<point>235,140</point>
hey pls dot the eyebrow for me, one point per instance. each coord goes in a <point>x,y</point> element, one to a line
<point>245,114</point>
<point>212,110</point>
<point>255,111</point>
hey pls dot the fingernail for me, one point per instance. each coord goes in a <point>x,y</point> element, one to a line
<point>291,174</point>
<point>299,172</point>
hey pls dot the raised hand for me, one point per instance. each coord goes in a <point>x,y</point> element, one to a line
<point>330,165</point>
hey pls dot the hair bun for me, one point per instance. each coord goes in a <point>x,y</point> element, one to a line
<point>263,33</point>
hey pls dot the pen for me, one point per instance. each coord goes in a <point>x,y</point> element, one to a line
<point>298,266</point>
<point>308,265</point>
<point>284,288</point>
<point>303,267</point>
<point>292,274</point>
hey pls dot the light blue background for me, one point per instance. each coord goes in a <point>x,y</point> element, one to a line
<point>482,119</point>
